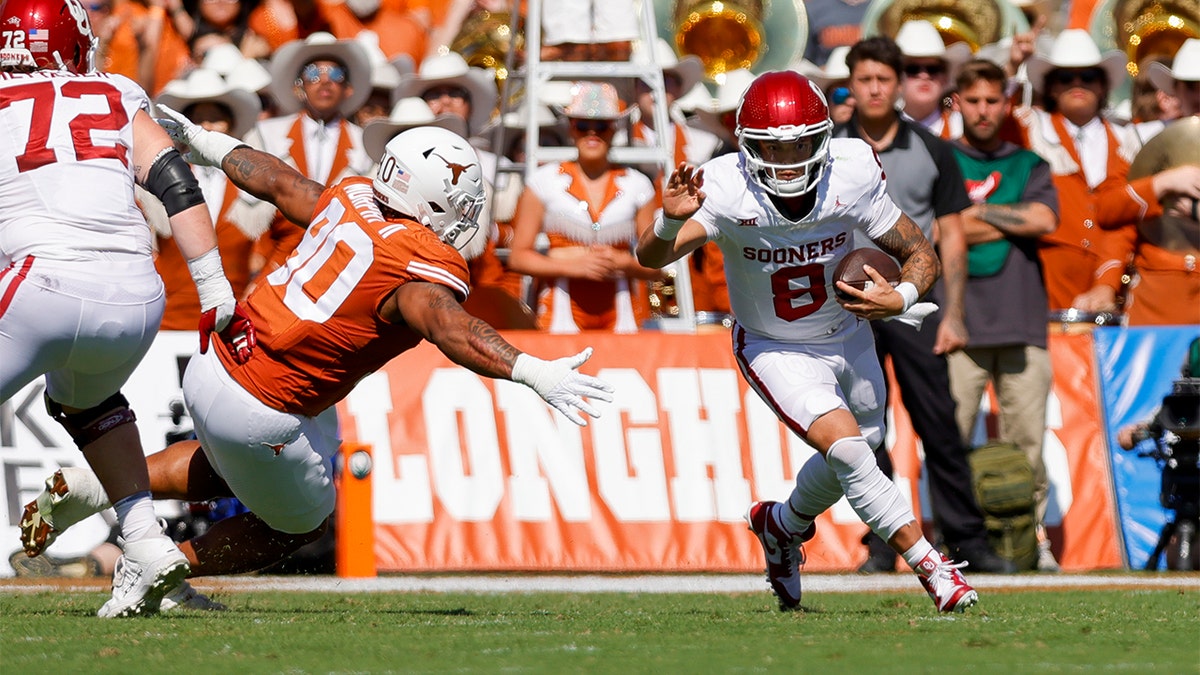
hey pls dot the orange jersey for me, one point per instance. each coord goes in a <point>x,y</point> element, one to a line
<point>317,317</point>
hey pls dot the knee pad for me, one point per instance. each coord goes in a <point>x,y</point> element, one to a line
<point>88,425</point>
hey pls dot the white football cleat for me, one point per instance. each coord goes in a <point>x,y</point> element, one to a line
<point>945,584</point>
<point>185,598</point>
<point>147,570</point>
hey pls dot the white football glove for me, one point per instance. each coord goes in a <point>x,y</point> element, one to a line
<point>561,385</point>
<point>915,315</point>
<point>206,148</point>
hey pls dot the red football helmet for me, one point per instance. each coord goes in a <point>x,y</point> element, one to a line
<point>46,35</point>
<point>783,128</point>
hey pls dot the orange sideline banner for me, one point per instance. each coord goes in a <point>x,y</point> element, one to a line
<point>476,474</point>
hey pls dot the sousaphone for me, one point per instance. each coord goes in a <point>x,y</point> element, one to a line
<point>1144,29</point>
<point>975,22</point>
<point>758,35</point>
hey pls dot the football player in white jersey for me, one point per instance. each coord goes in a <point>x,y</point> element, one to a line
<point>783,210</point>
<point>80,301</point>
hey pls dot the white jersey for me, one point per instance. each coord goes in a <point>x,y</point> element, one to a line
<point>779,271</point>
<point>66,166</point>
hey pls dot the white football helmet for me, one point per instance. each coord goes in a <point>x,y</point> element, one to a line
<point>433,175</point>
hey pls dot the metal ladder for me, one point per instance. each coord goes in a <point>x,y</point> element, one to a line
<point>534,76</point>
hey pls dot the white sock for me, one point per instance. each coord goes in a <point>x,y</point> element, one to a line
<point>817,489</point>
<point>85,497</point>
<point>135,514</point>
<point>917,552</point>
<point>874,497</point>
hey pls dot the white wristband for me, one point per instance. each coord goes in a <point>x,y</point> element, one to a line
<point>209,275</point>
<point>667,228</point>
<point>533,372</point>
<point>909,292</point>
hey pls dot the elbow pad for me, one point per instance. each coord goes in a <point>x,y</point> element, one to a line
<point>171,180</point>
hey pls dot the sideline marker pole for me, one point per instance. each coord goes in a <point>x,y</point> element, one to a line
<point>355,548</point>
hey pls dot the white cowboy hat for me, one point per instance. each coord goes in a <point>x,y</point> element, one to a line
<point>696,98</point>
<point>594,101</point>
<point>919,39</point>
<point>834,69</point>
<point>452,69</point>
<point>384,75</point>
<point>689,70</point>
<point>204,85</point>
<point>1075,48</point>
<point>1185,67</point>
<point>292,56</point>
<point>250,76</point>
<point>727,100</point>
<point>224,58</point>
<point>407,113</point>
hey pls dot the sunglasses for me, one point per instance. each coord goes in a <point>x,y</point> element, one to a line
<point>933,69</point>
<point>592,126</point>
<point>99,6</point>
<point>839,95</point>
<point>312,73</point>
<point>1086,76</point>
<point>438,92</point>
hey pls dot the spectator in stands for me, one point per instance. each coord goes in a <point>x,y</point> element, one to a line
<point>925,181</point>
<point>206,99</point>
<point>834,78</point>
<point>400,31</point>
<point>128,36</point>
<point>1089,158</point>
<point>385,78</point>
<point>928,69</point>
<point>318,84</point>
<point>688,144</point>
<point>450,85</point>
<point>282,21</point>
<point>832,24</point>
<point>591,211</point>
<point>243,73</point>
<point>1163,245</point>
<point>215,21</point>
<point>720,117</point>
<point>1013,204</point>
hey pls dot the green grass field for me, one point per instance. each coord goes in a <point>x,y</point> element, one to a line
<point>1142,630</point>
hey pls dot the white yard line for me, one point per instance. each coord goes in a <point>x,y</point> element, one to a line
<point>664,583</point>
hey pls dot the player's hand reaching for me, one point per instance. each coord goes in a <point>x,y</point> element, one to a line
<point>205,148</point>
<point>684,194</point>
<point>237,333</point>
<point>561,385</point>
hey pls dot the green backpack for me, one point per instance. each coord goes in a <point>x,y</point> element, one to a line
<point>1003,484</point>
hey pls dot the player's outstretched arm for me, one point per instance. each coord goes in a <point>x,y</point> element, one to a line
<point>261,174</point>
<point>673,234</point>
<point>435,314</point>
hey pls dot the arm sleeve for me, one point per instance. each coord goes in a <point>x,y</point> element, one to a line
<point>1040,187</point>
<point>949,191</point>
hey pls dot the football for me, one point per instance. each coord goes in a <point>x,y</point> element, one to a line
<point>850,269</point>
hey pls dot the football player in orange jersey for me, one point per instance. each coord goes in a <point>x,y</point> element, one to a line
<point>376,272</point>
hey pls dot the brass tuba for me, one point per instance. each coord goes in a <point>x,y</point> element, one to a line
<point>758,35</point>
<point>485,39</point>
<point>974,22</point>
<point>1144,29</point>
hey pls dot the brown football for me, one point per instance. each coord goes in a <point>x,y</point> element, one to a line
<point>850,269</point>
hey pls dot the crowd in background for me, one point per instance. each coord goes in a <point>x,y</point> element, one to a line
<point>324,84</point>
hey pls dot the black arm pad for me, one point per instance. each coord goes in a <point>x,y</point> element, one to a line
<point>171,180</point>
